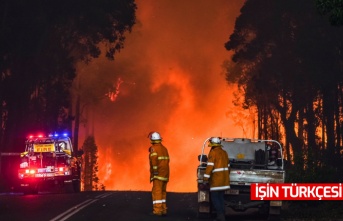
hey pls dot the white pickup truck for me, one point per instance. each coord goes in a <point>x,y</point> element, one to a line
<point>251,161</point>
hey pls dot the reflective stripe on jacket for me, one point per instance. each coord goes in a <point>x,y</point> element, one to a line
<point>218,169</point>
<point>159,162</point>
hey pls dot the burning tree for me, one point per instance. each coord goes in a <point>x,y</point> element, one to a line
<point>90,165</point>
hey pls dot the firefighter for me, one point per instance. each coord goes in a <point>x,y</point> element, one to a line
<point>159,173</point>
<point>217,175</point>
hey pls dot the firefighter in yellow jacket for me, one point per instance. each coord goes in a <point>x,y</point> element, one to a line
<point>217,173</point>
<point>159,173</point>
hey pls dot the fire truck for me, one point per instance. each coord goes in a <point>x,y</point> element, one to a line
<point>49,160</point>
<point>251,161</point>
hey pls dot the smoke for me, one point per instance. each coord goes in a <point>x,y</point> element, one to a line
<point>171,81</point>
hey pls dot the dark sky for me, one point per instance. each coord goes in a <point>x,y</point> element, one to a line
<point>173,83</point>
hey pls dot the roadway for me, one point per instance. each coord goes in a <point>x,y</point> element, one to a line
<point>98,205</point>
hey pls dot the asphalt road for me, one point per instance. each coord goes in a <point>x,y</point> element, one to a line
<point>101,205</point>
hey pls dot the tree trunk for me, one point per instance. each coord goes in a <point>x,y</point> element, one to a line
<point>328,112</point>
<point>77,122</point>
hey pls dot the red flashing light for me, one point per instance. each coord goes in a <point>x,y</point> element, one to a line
<point>33,136</point>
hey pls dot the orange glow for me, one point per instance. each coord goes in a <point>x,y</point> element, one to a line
<point>174,54</point>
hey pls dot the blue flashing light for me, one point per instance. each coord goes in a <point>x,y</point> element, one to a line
<point>58,135</point>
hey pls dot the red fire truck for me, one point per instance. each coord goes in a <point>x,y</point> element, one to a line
<point>49,160</point>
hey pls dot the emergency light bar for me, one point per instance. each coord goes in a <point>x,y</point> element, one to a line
<point>50,135</point>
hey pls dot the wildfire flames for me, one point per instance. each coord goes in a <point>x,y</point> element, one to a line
<point>174,55</point>
<point>113,94</point>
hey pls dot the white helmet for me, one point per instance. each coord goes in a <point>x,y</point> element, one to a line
<point>154,136</point>
<point>214,141</point>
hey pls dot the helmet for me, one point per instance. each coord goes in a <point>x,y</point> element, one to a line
<point>214,141</point>
<point>154,136</point>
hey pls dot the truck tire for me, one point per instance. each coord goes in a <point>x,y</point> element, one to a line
<point>76,186</point>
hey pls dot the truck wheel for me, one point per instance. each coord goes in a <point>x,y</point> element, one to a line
<point>76,186</point>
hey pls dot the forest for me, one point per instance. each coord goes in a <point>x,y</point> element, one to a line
<point>288,65</point>
<point>41,45</point>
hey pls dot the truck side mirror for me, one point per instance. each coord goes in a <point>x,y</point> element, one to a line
<point>202,158</point>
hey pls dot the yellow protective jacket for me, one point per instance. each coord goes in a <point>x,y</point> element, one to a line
<point>218,169</point>
<point>159,162</point>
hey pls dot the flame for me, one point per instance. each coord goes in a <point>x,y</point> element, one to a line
<point>114,92</point>
<point>174,56</point>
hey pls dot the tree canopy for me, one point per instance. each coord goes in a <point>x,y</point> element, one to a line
<point>333,9</point>
<point>40,43</point>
